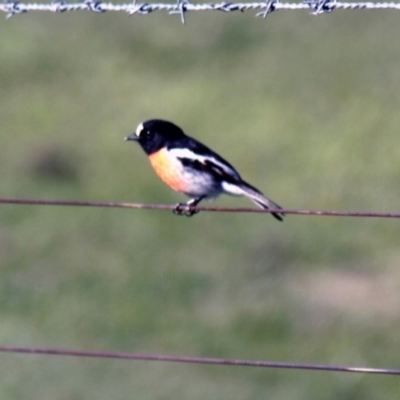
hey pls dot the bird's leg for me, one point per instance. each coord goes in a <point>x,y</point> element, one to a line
<point>185,208</point>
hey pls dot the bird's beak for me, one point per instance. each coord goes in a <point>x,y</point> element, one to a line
<point>133,136</point>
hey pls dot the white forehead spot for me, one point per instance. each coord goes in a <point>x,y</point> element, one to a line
<point>139,129</point>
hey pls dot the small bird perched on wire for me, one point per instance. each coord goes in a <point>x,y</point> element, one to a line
<point>191,168</point>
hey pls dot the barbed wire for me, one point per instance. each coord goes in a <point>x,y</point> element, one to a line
<point>183,208</point>
<point>183,6</point>
<point>197,360</point>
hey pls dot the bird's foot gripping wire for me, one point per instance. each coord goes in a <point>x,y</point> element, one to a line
<point>186,208</point>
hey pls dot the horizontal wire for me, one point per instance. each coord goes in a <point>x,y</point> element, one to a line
<point>182,6</point>
<point>148,206</point>
<point>197,360</point>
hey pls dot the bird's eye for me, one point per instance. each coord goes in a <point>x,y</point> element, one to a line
<point>147,134</point>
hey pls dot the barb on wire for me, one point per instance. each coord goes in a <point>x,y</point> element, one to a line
<point>321,6</point>
<point>181,4</point>
<point>115,204</point>
<point>95,6</point>
<point>270,6</point>
<point>59,6</point>
<point>11,7</point>
<point>198,360</point>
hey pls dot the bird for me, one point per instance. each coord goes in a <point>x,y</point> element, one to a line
<point>190,167</point>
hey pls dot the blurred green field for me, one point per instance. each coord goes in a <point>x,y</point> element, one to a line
<point>306,107</point>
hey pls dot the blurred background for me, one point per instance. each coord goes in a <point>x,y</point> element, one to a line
<point>307,108</point>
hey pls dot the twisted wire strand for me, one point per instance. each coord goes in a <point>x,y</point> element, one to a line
<point>182,6</point>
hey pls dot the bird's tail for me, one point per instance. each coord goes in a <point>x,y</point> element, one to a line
<point>258,198</point>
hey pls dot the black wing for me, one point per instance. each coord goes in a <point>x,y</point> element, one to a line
<point>200,157</point>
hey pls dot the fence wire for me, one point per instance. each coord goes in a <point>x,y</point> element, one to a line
<point>183,6</point>
<point>198,360</point>
<point>185,208</point>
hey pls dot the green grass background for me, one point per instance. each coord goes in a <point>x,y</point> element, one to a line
<point>306,107</point>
